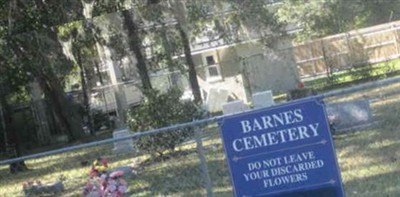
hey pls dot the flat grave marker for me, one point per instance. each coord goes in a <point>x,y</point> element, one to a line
<point>234,107</point>
<point>263,99</point>
<point>124,145</point>
<point>350,115</point>
<point>284,151</point>
<point>216,98</point>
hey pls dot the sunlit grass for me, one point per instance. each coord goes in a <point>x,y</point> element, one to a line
<point>366,162</point>
<point>368,93</point>
<point>369,159</point>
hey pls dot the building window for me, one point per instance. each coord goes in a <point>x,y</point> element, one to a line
<point>213,71</point>
<point>212,68</point>
<point>210,60</point>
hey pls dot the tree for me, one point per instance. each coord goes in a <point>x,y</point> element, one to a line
<point>133,33</point>
<point>135,45</point>
<point>192,18</point>
<point>47,65</point>
<point>161,110</point>
<point>164,44</point>
<point>322,18</point>
<point>179,12</point>
<point>34,46</point>
<point>10,83</point>
<point>29,47</point>
<point>131,22</point>
<point>83,50</point>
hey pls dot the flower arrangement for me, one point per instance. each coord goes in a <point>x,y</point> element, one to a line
<point>104,184</point>
<point>99,167</point>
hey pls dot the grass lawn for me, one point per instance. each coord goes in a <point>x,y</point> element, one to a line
<point>369,161</point>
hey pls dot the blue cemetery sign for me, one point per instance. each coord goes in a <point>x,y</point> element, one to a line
<point>284,151</point>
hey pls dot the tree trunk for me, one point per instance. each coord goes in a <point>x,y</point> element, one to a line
<point>13,145</point>
<point>88,117</point>
<point>38,108</point>
<point>64,108</point>
<point>3,145</point>
<point>171,67</point>
<point>180,12</point>
<point>134,45</point>
<point>66,113</point>
<point>194,84</point>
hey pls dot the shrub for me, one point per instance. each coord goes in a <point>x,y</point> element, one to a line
<point>162,110</point>
<point>100,119</point>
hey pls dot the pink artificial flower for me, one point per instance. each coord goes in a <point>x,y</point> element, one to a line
<point>111,187</point>
<point>93,173</point>
<point>103,177</point>
<point>118,194</point>
<point>103,184</point>
<point>300,85</point>
<point>122,189</point>
<point>104,162</point>
<point>89,186</point>
<point>102,193</point>
<point>117,173</point>
<point>123,182</point>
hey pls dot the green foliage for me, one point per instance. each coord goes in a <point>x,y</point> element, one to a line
<point>361,71</point>
<point>325,17</point>
<point>67,30</point>
<point>316,18</point>
<point>161,110</point>
<point>28,16</point>
<point>100,119</point>
<point>107,6</point>
<point>234,20</point>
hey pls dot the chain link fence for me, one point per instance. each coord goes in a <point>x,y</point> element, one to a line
<point>367,151</point>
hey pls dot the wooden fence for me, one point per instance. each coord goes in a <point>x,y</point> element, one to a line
<point>342,51</point>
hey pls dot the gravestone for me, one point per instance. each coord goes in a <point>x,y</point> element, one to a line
<point>51,189</point>
<point>347,116</point>
<point>216,98</point>
<point>234,107</point>
<point>284,150</point>
<point>263,99</point>
<point>123,146</point>
<point>62,138</point>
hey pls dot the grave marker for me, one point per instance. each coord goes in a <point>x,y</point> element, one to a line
<point>263,99</point>
<point>283,151</point>
<point>124,145</point>
<point>215,99</point>
<point>350,115</point>
<point>234,107</point>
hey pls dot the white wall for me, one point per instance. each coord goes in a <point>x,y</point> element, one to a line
<point>250,68</point>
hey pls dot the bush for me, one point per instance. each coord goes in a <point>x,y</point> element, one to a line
<point>162,110</point>
<point>100,119</point>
